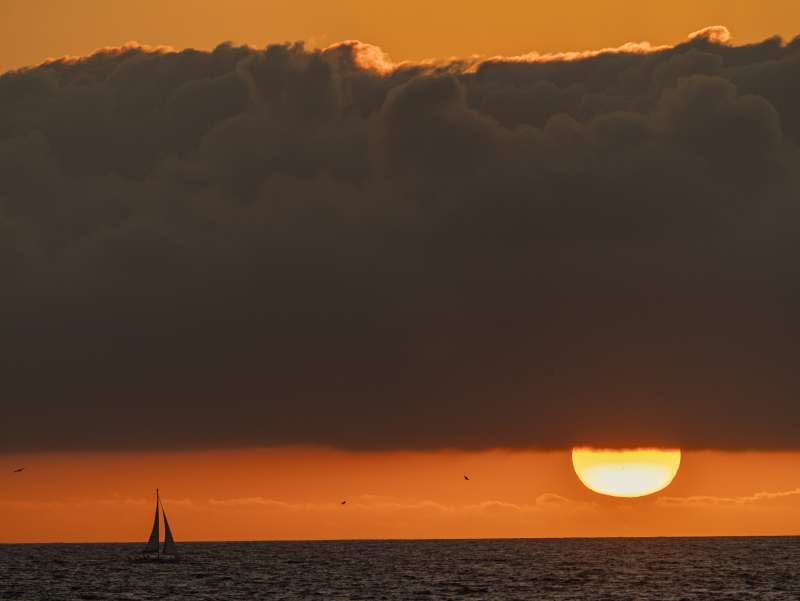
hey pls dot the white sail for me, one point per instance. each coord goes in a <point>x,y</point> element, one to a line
<point>152,544</point>
<point>169,543</point>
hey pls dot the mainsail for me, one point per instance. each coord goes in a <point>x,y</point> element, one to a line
<point>152,544</point>
<point>169,542</point>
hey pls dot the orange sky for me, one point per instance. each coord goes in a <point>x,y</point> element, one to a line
<point>296,494</point>
<point>32,30</point>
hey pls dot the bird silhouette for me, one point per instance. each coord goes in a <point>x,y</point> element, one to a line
<point>343,502</point>
<point>466,477</point>
<point>19,469</point>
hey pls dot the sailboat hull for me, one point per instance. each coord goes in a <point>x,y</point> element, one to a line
<point>153,558</point>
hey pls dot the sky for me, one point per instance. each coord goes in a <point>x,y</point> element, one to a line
<point>296,493</point>
<point>265,275</point>
<point>32,30</point>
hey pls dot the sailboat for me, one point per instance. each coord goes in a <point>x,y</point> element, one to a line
<point>154,551</point>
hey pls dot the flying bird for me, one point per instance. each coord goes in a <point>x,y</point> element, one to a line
<point>466,477</point>
<point>19,469</point>
<point>343,502</point>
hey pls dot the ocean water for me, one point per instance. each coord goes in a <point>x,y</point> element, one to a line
<point>603,569</point>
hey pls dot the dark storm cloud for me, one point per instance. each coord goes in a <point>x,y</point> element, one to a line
<point>246,247</point>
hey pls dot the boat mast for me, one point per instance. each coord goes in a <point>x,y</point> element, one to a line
<point>158,545</point>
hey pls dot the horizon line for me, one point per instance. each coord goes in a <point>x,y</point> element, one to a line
<point>406,540</point>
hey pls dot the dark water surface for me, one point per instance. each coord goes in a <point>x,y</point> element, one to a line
<point>608,569</point>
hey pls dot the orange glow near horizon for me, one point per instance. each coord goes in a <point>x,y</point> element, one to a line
<point>296,493</point>
<point>626,472</point>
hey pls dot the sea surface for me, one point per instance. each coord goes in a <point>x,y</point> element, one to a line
<point>607,569</point>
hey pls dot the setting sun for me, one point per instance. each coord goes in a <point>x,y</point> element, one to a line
<point>626,472</point>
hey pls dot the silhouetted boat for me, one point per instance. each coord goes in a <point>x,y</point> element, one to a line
<point>153,551</point>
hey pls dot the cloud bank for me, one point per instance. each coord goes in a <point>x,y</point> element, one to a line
<point>290,246</point>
